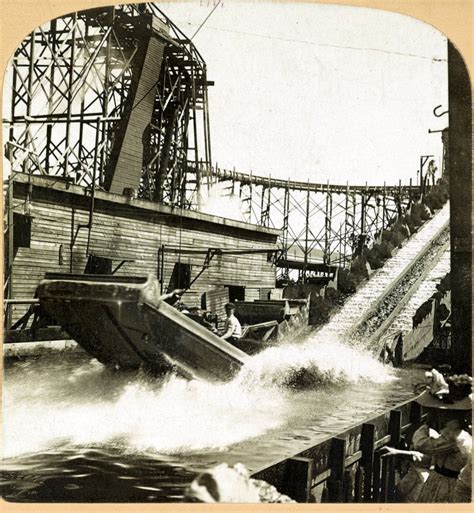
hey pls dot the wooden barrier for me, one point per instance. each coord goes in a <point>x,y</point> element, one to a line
<point>347,467</point>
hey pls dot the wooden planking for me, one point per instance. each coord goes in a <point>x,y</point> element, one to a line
<point>116,236</point>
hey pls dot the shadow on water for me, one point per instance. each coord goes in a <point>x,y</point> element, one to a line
<point>92,476</point>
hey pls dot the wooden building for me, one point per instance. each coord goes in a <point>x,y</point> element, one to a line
<point>61,227</point>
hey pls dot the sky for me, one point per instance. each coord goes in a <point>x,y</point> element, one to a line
<point>319,92</point>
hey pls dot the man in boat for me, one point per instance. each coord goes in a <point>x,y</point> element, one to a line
<point>232,327</point>
<point>172,298</point>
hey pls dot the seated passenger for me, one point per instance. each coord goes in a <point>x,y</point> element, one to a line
<point>232,327</point>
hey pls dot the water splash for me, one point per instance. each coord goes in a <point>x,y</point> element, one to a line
<point>89,405</point>
<point>313,364</point>
<point>169,416</point>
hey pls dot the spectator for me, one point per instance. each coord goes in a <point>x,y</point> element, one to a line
<point>447,458</point>
<point>463,487</point>
<point>410,485</point>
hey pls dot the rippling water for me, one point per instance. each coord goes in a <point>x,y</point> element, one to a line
<point>76,431</point>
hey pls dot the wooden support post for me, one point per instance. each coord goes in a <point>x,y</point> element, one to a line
<point>269,201</point>
<point>421,176</point>
<point>298,478</point>
<point>328,227</point>
<point>367,446</point>
<point>162,268</point>
<point>347,486</point>
<point>384,485</point>
<point>324,495</point>
<point>286,216</point>
<point>11,254</point>
<point>29,98</point>
<point>306,240</point>
<point>354,223</point>
<point>91,207</point>
<point>70,97</point>
<point>207,126</point>
<point>73,226</point>
<point>395,431</point>
<point>384,207</point>
<point>362,225</point>
<point>415,412</point>
<point>346,222</point>
<point>250,198</point>
<point>336,464</point>
<point>359,484</point>
<point>376,476</point>
<point>105,104</point>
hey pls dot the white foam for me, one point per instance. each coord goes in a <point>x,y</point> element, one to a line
<point>92,406</point>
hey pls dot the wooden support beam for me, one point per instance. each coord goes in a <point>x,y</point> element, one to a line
<point>337,454</point>
<point>395,432</point>
<point>298,478</point>
<point>347,486</point>
<point>384,481</point>
<point>359,484</point>
<point>377,464</point>
<point>415,412</point>
<point>367,446</point>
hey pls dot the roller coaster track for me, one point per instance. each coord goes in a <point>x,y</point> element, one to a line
<point>268,182</point>
<point>138,130</point>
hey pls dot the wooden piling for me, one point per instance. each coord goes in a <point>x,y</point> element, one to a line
<point>298,478</point>
<point>415,412</point>
<point>336,464</point>
<point>367,446</point>
<point>395,431</point>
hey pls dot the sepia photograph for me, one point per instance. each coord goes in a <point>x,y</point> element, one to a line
<point>236,257</point>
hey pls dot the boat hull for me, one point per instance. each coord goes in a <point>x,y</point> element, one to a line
<point>123,323</point>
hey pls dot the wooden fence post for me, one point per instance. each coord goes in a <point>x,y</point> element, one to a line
<point>358,483</point>
<point>337,455</point>
<point>415,412</point>
<point>395,431</point>
<point>376,476</point>
<point>367,445</point>
<point>298,478</point>
<point>347,486</point>
<point>384,491</point>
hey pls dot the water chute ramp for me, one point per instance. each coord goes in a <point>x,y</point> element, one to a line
<point>122,322</point>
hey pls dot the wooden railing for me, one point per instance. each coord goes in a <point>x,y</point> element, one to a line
<point>348,467</point>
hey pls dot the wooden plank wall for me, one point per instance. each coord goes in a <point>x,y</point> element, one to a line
<point>122,232</point>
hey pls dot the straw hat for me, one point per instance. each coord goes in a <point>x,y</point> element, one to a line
<point>451,393</point>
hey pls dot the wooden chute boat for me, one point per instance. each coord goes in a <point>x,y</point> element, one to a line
<point>122,322</point>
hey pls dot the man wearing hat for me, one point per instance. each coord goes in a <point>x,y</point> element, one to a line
<point>232,327</point>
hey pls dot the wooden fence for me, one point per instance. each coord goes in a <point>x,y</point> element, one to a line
<point>348,467</point>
